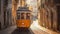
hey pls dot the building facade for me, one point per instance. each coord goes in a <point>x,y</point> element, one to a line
<point>5,13</point>
<point>49,14</point>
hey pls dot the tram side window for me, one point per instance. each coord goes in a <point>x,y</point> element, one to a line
<point>18,16</point>
<point>28,16</point>
<point>22,15</point>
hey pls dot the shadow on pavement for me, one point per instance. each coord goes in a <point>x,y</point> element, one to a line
<point>22,31</point>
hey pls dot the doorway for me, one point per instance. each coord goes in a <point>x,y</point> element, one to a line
<point>58,14</point>
<point>0,25</point>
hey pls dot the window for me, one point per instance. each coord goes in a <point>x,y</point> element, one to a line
<point>22,15</point>
<point>28,16</point>
<point>18,16</point>
<point>4,17</point>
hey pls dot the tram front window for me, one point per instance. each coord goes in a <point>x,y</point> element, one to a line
<point>28,16</point>
<point>22,15</point>
<point>18,16</point>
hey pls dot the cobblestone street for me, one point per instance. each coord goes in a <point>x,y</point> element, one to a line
<point>14,30</point>
<point>34,29</point>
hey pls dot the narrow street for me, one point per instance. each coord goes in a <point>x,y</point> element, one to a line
<point>29,16</point>
<point>34,29</point>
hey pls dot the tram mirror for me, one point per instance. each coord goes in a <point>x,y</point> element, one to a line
<point>22,15</point>
<point>27,15</point>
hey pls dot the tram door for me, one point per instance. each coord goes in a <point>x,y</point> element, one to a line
<point>28,18</point>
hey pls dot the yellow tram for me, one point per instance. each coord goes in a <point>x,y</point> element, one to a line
<point>23,17</point>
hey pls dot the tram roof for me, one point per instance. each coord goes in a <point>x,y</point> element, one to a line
<point>23,9</point>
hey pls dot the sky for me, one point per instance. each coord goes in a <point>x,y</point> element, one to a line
<point>33,3</point>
